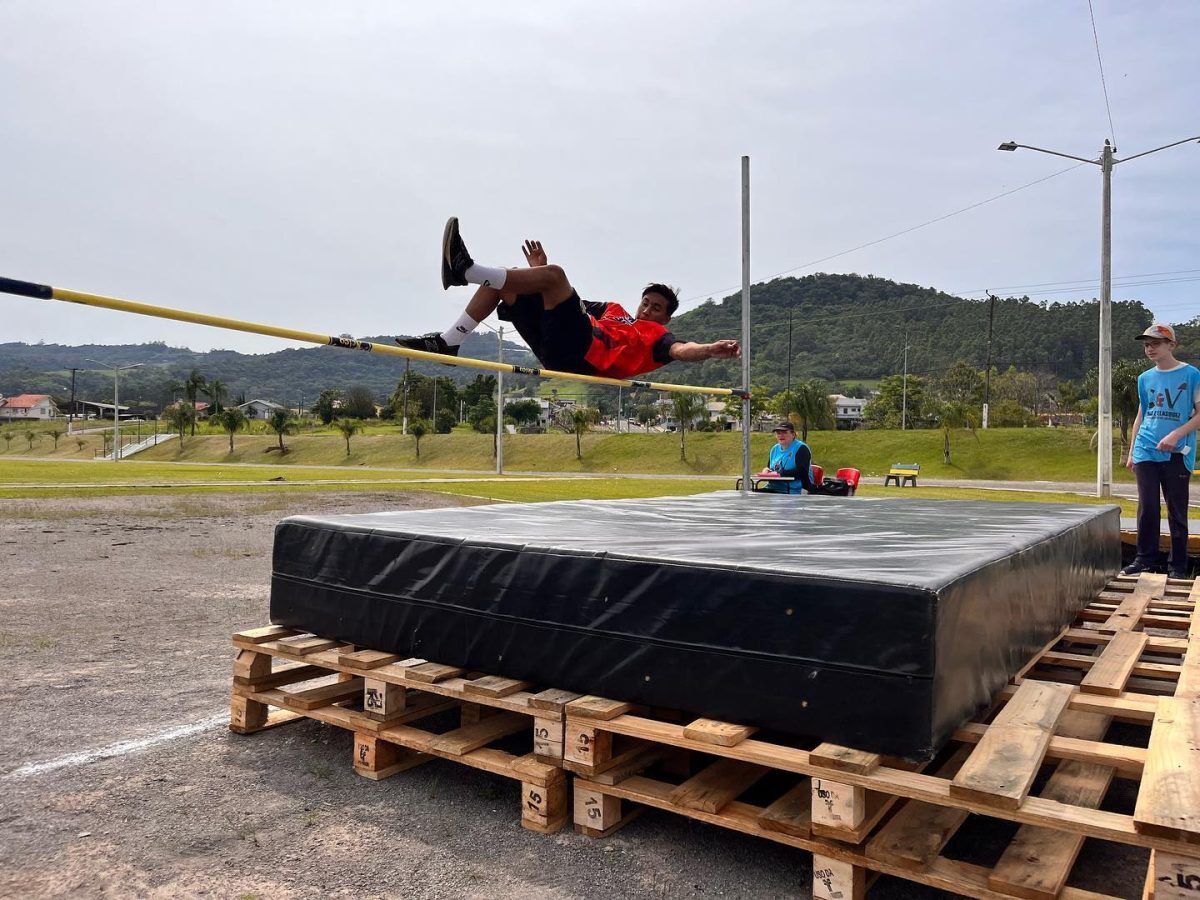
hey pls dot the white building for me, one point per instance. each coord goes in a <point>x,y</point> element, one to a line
<point>848,411</point>
<point>259,409</point>
<point>28,406</point>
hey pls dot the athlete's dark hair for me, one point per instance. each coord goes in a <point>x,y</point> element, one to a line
<point>667,293</point>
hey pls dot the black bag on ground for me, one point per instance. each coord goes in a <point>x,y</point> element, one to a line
<point>834,487</point>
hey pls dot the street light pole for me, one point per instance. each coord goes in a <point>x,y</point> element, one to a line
<point>904,388</point>
<point>1106,162</point>
<point>116,370</point>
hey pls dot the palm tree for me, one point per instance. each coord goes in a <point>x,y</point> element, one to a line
<point>192,387</point>
<point>1125,401</point>
<point>418,429</point>
<point>232,420</point>
<point>216,392</point>
<point>81,444</point>
<point>179,417</point>
<point>579,419</point>
<point>8,439</point>
<point>348,428</point>
<point>810,403</point>
<point>688,407</point>
<point>54,434</point>
<point>282,423</point>
<point>31,437</point>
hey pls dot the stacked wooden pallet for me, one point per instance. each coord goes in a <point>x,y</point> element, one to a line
<point>385,701</point>
<point>860,814</point>
<point>1045,757</point>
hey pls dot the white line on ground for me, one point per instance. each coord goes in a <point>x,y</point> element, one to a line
<point>121,748</point>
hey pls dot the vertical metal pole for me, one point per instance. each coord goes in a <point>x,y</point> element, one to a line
<point>435,404</point>
<point>987,374</point>
<point>746,324</point>
<point>116,417</point>
<point>500,404</point>
<point>620,395</point>
<point>904,388</point>
<point>1104,447</point>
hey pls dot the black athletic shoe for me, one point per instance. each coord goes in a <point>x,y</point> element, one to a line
<point>1178,573</point>
<point>430,343</point>
<point>455,258</point>
<point>1134,568</point>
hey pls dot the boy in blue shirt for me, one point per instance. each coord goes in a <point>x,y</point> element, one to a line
<point>1163,454</point>
<point>791,458</point>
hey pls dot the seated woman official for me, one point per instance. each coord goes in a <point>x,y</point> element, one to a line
<point>790,458</point>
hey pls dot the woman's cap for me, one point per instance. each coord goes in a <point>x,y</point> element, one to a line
<point>1157,332</point>
<point>784,426</point>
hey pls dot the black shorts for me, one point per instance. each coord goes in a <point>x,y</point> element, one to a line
<point>560,338</point>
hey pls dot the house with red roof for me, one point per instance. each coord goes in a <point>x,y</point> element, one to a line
<point>24,407</point>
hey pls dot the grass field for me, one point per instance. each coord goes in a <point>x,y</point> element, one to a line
<point>49,478</point>
<point>1048,454</point>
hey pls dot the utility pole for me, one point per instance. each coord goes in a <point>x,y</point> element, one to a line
<point>620,392</point>
<point>987,374</point>
<point>1104,447</point>
<point>500,403</point>
<point>789,375</point>
<point>71,411</point>
<point>404,413</point>
<point>904,388</point>
<point>435,404</point>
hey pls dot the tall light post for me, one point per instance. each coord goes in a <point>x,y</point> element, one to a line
<point>1106,162</point>
<point>116,371</point>
<point>904,387</point>
<point>500,404</point>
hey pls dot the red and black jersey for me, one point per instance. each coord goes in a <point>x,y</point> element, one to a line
<point>624,346</point>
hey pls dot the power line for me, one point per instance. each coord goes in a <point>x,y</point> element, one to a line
<point>897,234</point>
<point>1103,85</point>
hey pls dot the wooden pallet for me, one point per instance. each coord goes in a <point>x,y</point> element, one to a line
<point>384,700</point>
<point>860,813</point>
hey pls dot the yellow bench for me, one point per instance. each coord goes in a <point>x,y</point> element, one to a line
<point>902,473</point>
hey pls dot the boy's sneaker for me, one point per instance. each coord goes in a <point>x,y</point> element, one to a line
<point>1134,568</point>
<point>455,258</point>
<point>1178,573</point>
<point>430,343</point>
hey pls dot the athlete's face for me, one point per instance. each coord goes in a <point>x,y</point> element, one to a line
<point>785,438</point>
<point>654,308</point>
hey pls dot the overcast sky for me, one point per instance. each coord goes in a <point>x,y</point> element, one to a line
<point>294,162</point>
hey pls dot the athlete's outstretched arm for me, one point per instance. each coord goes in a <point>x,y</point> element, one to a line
<point>690,352</point>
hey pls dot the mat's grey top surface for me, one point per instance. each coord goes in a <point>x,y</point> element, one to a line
<point>921,543</point>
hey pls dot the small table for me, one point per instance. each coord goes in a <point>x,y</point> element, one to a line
<point>756,480</point>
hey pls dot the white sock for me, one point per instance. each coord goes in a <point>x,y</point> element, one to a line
<point>487,276</point>
<point>457,333</point>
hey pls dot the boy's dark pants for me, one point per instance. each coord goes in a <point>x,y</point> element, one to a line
<point>1171,478</point>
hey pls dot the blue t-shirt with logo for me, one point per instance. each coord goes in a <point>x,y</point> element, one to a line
<point>1168,398</point>
<point>789,462</point>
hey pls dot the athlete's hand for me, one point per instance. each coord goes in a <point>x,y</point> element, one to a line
<point>1129,461</point>
<point>534,254</point>
<point>724,349</point>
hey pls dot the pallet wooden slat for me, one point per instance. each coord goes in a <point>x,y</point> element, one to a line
<point>1115,665</point>
<point>326,695</point>
<point>791,813</point>
<point>367,659</point>
<point>472,737</point>
<point>495,686</point>
<point>844,759</point>
<point>600,708</point>
<point>717,785</point>
<point>1001,769</point>
<point>722,734</point>
<point>1168,802</point>
<point>432,673</point>
<point>264,634</point>
<point>1127,615</point>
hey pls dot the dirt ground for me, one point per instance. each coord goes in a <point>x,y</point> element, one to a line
<point>120,779</point>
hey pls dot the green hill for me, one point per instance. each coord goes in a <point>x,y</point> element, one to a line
<point>851,327</point>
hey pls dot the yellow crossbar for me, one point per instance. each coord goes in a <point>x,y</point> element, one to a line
<point>45,292</point>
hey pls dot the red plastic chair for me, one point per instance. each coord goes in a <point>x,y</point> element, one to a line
<point>818,474</point>
<point>851,477</point>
